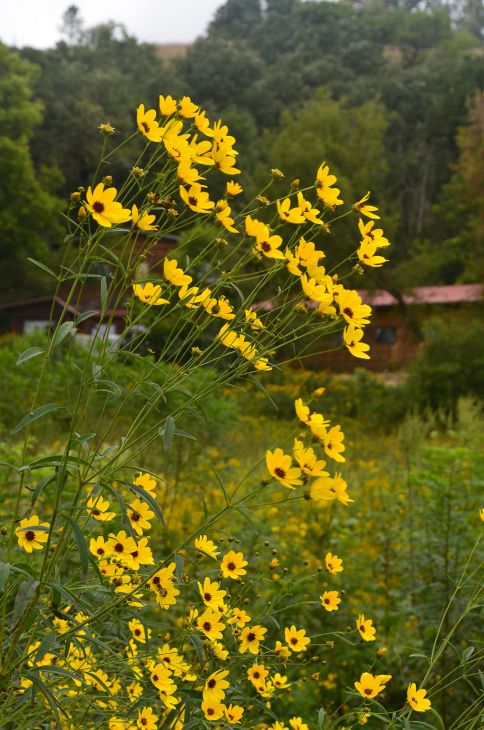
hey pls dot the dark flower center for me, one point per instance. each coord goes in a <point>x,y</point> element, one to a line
<point>211,683</point>
<point>145,126</point>
<point>30,535</point>
<point>251,636</point>
<point>119,547</point>
<point>98,207</point>
<point>231,566</point>
<point>348,311</point>
<point>279,472</point>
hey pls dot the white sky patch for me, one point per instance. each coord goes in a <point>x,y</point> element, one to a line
<point>37,22</point>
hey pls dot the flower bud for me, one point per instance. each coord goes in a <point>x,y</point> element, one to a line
<point>106,129</point>
<point>295,183</point>
<point>137,171</point>
<point>75,196</point>
<point>276,173</point>
<point>108,179</point>
<point>81,213</point>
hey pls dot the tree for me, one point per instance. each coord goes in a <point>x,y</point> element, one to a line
<point>72,25</point>
<point>28,210</point>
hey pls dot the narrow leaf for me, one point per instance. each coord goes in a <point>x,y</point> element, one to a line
<point>146,497</point>
<point>4,573</point>
<point>66,328</point>
<point>29,354</point>
<point>167,432</point>
<point>35,415</point>
<point>43,267</point>
<point>81,544</point>
<point>22,599</point>
<point>104,295</point>
<point>321,717</point>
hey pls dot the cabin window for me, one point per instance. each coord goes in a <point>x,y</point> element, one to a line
<point>385,335</point>
<point>31,325</point>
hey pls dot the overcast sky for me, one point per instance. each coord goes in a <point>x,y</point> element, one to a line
<point>36,22</point>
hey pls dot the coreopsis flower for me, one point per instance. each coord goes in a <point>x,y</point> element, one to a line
<point>147,124</point>
<point>371,685</point>
<point>146,482</point>
<point>141,555</point>
<point>219,650</point>
<point>333,564</point>
<point>98,547</point>
<point>250,638</point>
<point>257,674</point>
<point>288,214</point>
<point>220,307</point>
<point>115,723</point>
<point>352,308</point>
<point>174,274</point>
<point>282,651</point>
<point>186,174</point>
<point>316,422</point>
<point>99,509</point>
<point>374,234</point>
<point>45,660</point>
<point>29,536</point>
<point>280,681</point>
<point>330,600</point>
<point>206,546</point>
<point>352,337</point>
<point>368,256</point>
<point>324,187</point>
<point>149,294</point>
<point>233,188</point>
<point>307,254</point>
<point>224,158</point>
<point>104,209</point>
<point>147,719</point>
<point>308,461</point>
<point>268,245</point>
<point>167,105</point>
<point>367,210</point>
<point>417,699</point>
<point>233,714</point>
<point>326,489</point>
<point>253,319</point>
<point>139,631</point>
<point>175,142</point>
<point>365,628</point>
<point>311,214</point>
<point>121,545</point>
<point>209,624</point>
<point>161,678</point>
<point>211,593</point>
<point>215,686</point>
<point>296,723</point>
<point>233,565</point>
<point>139,515</point>
<point>315,291</point>
<point>224,218</point>
<point>212,710</point>
<point>296,639</point>
<point>186,108</point>
<point>280,467</point>
<point>144,220</point>
<point>239,617</point>
<point>196,198</point>
<point>333,445</point>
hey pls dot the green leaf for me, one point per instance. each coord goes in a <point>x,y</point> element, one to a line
<point>43,267</point>
<point>167,432</point>
<point>104,294</point>
<point>35,415</point>
<point>146,497</point>
<point>39,685</point>
<point>179,563</point>
<point>108,386</point>
<point>24,594</point>
<point>467,653</point>
<point>54,669</point>
<point>4,573</point>
<point>47,643</point>
<point>86,315</point>
<point>321,717</point>
<point>40,488</point>
<point>28,354</point>
<point>81,544</point>
<point>66,328</point>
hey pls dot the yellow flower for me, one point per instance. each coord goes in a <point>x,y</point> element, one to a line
<point>187,174</point>
<point>98,508</point>
<point>149,294</point>
<point>330,600</point>
<point>139,631</point>
<point>161,678</point>
<point>288,214</point>
<point>352,337</point>
<point>324,187</point>
<point>187,109</point>
<point>316,292</point>
<point>233,714</point>
<point>210,625</point>
<point>268,245</point>
<point>196,198</point>
<point>167,106</point>
<point>365,628</point>
<point>253,319</point>
<point>147,124</point>
<point>282,651</point>
<point>215,686</point>
<point>371,685</point>
<point>120,545</point>
<point>333,444</point>
<point>223,217</point>
<point>220,307</point>
<point>326,489</point>
<point>233,188</point>
<point>257,674</point>
<point>224,158</point>
<point>146,482</point>
<point>307,460</point>
<point>374,234</point>
<point>333,563</point>
<point>98,547</point>
<point>311,214</point>
<point>30,537</point>
<point>139,515</point>
<point>162,585</point>
<point>250,638</point>
<point>211,593</point>
<point>280,467</point>
<point>481,514</point>
<point>367,210</point>
<point>212,710</point>
<point>367,254</point>
<point>233,564</point>
<point>205,545</point>
<point>144,220</point>
<point>147,719</point>
<point>296,639</point>
<point>174,274</point>
<point>280,681</point>
<point>352,308</point>
<point>103,208</point>
<point>417,699</point>
<point>239,617</point>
